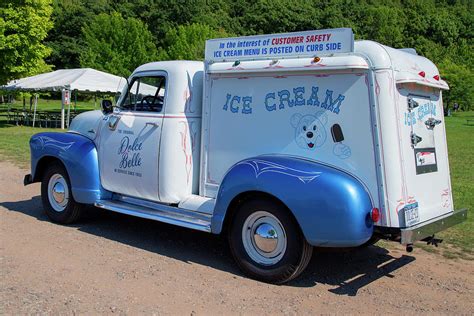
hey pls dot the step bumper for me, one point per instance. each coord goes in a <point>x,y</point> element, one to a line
<point>427,229</point>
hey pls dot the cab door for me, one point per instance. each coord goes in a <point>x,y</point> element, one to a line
<point>129,143</point>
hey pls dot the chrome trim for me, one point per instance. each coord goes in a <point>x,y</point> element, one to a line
<point>427,229</point>
<point>161,213</point>
<point>162,207</point>
<point>266,237</point>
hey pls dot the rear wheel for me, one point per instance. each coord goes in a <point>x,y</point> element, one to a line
<point>267,243</point>
<point>56,196</point>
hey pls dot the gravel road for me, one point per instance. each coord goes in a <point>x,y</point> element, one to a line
<point>115,264</point>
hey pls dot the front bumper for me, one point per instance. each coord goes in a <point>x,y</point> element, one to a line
<point>428,229</point>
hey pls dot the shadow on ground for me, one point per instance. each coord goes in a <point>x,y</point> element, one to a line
<point>346,271</point>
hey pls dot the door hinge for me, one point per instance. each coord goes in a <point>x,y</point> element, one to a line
<point>415,139</point>
<point>412,104</point>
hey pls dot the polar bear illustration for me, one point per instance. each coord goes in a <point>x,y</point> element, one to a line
<point>310,130</point>
<point>310,133</point>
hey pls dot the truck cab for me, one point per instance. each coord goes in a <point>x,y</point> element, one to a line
<point>283,142</point>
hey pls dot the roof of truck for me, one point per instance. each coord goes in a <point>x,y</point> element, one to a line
<point>406,63</point>
<point>172,66</point>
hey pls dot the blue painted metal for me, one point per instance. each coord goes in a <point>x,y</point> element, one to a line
<point>79,156</point>
<point>331,206</point>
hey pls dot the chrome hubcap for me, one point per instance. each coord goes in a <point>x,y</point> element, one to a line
<point>58,192</point>
<point>264,238</point>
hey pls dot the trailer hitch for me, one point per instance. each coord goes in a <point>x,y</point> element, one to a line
<point>431,240</point>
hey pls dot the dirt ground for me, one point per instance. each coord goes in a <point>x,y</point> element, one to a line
<point>111,263</point>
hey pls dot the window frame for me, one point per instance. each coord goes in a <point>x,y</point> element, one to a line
<point>132,80</point>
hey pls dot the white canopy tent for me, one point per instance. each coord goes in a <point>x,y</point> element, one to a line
<point>82,79</point>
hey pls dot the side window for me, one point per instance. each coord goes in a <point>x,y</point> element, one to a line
<point>146,94</point>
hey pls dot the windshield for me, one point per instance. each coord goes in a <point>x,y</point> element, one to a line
<point>145,94</point>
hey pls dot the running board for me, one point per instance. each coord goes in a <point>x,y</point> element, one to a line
<point>161,213</point>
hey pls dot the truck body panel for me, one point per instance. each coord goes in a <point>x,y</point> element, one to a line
<point>348,136</point>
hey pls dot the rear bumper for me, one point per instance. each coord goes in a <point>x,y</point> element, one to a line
<point>427,229</point>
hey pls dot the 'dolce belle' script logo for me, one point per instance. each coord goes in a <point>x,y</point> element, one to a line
<point>130,153</point>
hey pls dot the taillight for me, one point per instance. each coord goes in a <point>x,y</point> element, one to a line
<point>375,215</point>
<point>422,73</point>
<point>436,77</point>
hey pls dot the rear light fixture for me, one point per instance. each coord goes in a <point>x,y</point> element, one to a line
<point>375,215</point>
<point>436,77</point>
<point>422,73</point>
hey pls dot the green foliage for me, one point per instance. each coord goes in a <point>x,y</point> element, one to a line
<point>23,27</point>
<point>117,45</point>
<point>461,81</point>
<point>187,42</point>
<point>119,35</point>
<point>69,17</point>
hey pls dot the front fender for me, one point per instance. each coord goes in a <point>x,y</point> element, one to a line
<point>78,154</point>
<point>332,207</point>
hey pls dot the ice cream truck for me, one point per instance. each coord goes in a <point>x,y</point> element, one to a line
<point>283,142</point>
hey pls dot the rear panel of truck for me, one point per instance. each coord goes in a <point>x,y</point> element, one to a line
<point>412,137</point>
<point>425,156</point>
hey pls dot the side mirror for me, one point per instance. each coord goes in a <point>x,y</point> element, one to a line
<point>106,106</point>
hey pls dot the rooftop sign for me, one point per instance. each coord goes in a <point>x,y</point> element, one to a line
<point>285,45</point>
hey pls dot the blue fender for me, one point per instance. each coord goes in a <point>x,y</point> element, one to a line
<point>332,207</point>
<point>79,156</point>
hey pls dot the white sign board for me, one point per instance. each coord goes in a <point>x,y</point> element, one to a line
<point>285,45</point>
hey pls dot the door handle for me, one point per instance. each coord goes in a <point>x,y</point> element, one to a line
<point>431,123</point>
<point>152,124</point>
<point>113,120</point>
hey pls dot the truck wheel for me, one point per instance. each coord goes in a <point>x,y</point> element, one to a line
<point>267,243</point>
<point>57,197</point>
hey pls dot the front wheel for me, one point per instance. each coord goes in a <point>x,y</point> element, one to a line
<point>267,243</point>
<point>56,196</point>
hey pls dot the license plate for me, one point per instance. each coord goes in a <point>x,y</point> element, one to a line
<point>411,214</point>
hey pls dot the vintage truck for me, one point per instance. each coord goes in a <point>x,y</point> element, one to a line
<point>283,142</point>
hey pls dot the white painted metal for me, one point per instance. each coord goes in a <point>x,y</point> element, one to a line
<point>198,203</point>
<point>87,124</point>
<point>230,137</point>
<point>397,74</point>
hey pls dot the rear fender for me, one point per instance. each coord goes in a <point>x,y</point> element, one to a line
<point>78,154</point>
<point>331,207</point>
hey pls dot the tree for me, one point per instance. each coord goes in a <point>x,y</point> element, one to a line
<point>65,39</point>
<point>23,27</point>
<point>116,45</point>
<point>187,42</point>
<point>461,80</point>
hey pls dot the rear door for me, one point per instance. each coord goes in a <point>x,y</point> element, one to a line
<point>424,151</point>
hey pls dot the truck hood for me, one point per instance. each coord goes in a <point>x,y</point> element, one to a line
<point>87,124</point>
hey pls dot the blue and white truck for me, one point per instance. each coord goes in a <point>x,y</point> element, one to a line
<point>283,142</point>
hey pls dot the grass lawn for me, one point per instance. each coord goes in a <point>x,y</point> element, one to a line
<point>14,147</point>
<point>55,105</point>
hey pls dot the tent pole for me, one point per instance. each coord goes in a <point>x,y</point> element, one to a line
<point>62,110</point>
<point>34,112</point>
<point>68,113</point>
